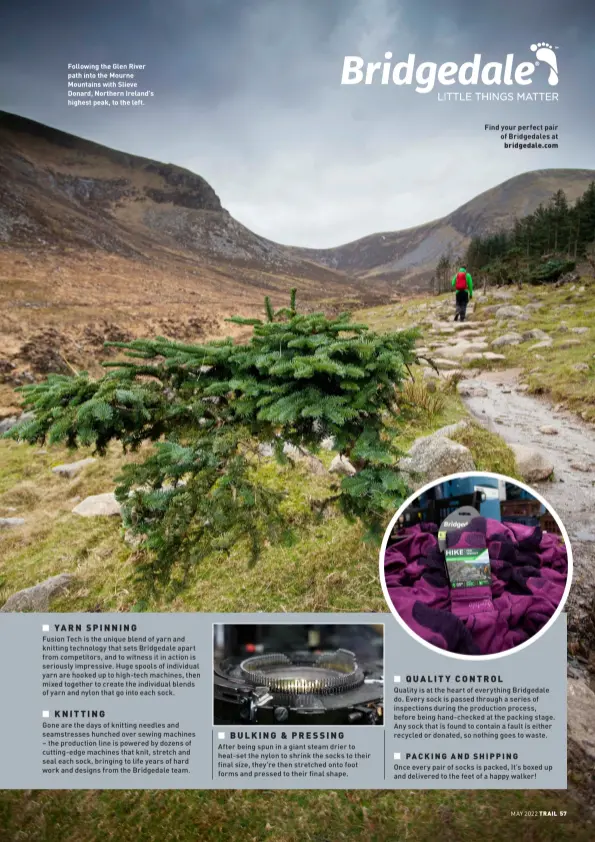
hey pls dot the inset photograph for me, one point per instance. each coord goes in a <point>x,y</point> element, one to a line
<point>476,565</point>
<point>298,674</point>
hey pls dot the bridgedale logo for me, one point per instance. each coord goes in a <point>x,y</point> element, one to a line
<point>427,74</point>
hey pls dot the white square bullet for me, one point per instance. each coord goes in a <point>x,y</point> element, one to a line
<point>45,714</point>
<point>45,627</point>
<point>396,755</point>
<point>221,735</point>
<point>397,679</point>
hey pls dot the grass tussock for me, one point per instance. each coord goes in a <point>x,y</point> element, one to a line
<point>490,452</point>
<point>426,398</point>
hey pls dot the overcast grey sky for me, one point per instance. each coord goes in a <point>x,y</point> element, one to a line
<point>248,95</point>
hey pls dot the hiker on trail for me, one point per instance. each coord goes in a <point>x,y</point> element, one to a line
<point>462,282</point>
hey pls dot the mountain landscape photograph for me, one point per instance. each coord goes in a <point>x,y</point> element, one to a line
<point>97,243</point>
<point>228,351</point>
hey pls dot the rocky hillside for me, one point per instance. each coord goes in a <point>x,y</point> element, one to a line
<point>96,245</point>
<point>407,258</point>
<point>60,192</point>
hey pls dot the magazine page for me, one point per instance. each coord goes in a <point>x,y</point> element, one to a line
<point>297,421</point>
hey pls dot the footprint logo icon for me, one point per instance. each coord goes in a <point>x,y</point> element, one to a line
<point>545,52</point>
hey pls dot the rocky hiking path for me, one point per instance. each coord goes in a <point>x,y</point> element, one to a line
<point>554,451</point>
<point>544,437</point>
<point>568,444</point>
<point>560,441</point>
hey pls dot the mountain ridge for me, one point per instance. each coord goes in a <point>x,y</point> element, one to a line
<point>410,254</point>
<point>57,189</point>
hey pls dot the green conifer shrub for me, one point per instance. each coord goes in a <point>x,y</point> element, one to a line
<point>299,379</point>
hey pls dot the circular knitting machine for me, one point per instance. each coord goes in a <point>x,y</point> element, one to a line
<point>299,687</point>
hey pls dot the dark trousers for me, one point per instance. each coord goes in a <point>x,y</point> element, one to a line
<point>462,299</point>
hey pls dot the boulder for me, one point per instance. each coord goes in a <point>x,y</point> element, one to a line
<point>579,329</point>
<point>7,424</point>
<point>585,467</point>
<point>436,456</point>
<point>549,430</point>
<point>440,362</point>
<point>71,469</point>
<point>469,389</point>
<point>11,522</point>
<point>461,349</point>
<point>472,335</point>
<point>98,505</point>
<point>328,443</point>
<point>546,343</point>
<point>37,598</point>
<point>511,311</point>
<point>490,355</point>
<point>507,339</point>
<point>580,367</point>
<point>536,333</point>
<point>570,343</point>
<point>532,465</point>
<point>342,466</point>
